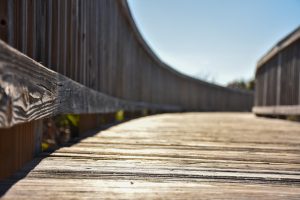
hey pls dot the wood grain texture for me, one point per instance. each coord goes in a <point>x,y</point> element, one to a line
<point>30,91</point>
<point>173,156</point>
<point>97,44</point>
<point>18,145</point>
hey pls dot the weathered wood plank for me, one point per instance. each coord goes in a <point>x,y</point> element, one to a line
<point>173,156</point>
<point>18,146</point>
<point>30,91</point>
<point>277,110</point>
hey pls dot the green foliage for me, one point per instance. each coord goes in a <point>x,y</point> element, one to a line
<point>45,146</point>
<point>74,119</point>
<point>119,115</point>
<point>66,120</point>
<point>144,112</point>
<point>67,126</point>
<point>251,84</point>
<point>242,84</point>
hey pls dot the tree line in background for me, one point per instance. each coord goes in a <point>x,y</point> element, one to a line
<point>242,84</point>
<point>236,84</point>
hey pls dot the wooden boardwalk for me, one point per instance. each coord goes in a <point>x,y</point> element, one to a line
<point>173,156</point>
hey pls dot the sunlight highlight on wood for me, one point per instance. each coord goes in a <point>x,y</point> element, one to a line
<point>173,156</point>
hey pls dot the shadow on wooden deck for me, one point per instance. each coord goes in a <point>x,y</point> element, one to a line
<point>174,156</point>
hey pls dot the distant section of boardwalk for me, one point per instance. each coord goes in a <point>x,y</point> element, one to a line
<point>174,156</point>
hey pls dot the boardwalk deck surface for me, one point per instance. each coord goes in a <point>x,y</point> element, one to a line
<point>173,156</point>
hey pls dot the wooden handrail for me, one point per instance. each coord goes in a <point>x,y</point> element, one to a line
<point>282,44</point>
<point>97,44</point>
<point>277,78</point>
<point>30,91</point>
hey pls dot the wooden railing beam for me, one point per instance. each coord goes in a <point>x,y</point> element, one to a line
<point>30,91</point>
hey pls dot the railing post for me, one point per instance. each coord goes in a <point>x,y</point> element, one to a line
<point>3,20</point>
<point>278,89</point>
<point>299,81</point>
<point>38,136</point>
<point>18,145</point>
<point>265,93</point>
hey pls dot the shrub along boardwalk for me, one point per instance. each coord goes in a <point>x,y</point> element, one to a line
<point>190,155</point>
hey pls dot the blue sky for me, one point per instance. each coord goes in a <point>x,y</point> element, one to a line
<point>216,40</point>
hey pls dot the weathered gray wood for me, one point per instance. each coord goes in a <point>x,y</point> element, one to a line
<point>30,91</point>
<point>282,44</point>
<point>277,110</point>
<point>128,69</point>
<point>97,44</point>
<point>278,78</point>
<point>173,156</point>
<point>278,83</point>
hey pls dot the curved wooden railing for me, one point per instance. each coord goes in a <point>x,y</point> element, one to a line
<point>97,44</point>
<point>85,57</point>
<point>278,78</point>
